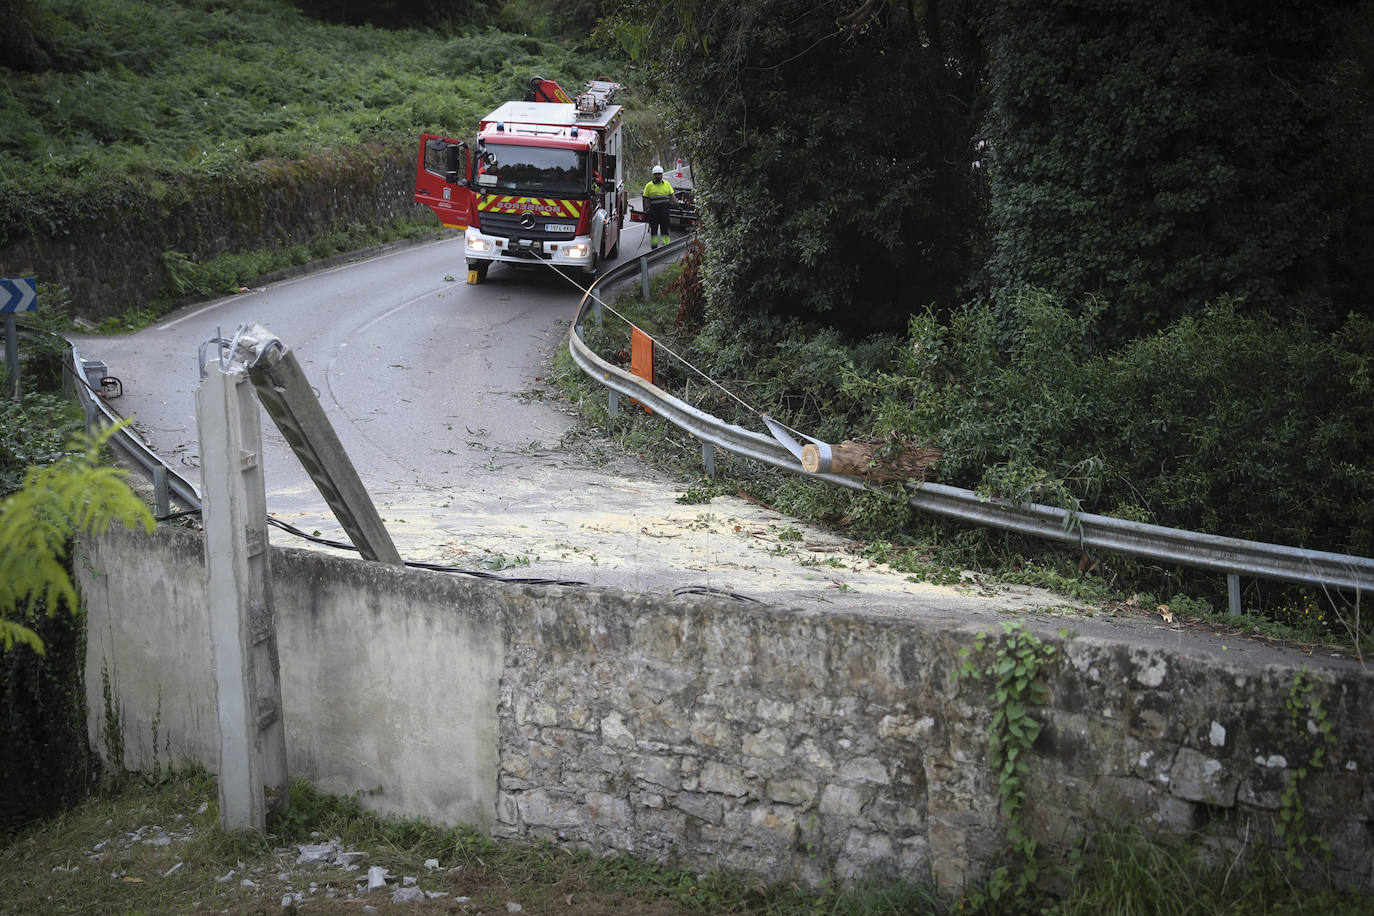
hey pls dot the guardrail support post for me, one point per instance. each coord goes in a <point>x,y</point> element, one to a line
<point>161,496</point>
<point>644,276</point>
<point>596,310</point>
<point>708,458</point>
<point>613,404</point>
<point>1233,593</point>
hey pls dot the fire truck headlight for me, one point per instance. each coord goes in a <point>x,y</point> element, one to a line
<point>580,250</point>
<point>476,243</point>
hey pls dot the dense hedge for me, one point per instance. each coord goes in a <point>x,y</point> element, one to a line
<point>833,154</point>
<point>1158,156</point>
<point>861,163</point>
<point>1223,423</point>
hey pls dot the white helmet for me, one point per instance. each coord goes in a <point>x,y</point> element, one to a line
<point>657,170</point>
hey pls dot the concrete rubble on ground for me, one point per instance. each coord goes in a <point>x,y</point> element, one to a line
<point>308,858</point>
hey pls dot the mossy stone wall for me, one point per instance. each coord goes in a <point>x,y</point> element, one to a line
<point>110,258</point>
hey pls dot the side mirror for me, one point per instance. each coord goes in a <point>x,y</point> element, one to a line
<point>610,173</point>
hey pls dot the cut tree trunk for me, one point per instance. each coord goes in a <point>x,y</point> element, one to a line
<point>861,459</point>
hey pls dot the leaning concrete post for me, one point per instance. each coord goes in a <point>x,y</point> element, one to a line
<point>243,636</point>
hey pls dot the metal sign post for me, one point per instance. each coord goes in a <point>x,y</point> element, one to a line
<point>16,295</point>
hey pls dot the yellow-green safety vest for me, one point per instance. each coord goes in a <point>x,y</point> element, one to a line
<point>657,191</point>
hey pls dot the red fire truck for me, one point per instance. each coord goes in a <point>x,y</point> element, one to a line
<point>542,182</point>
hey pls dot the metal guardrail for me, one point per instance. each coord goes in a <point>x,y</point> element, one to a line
<point>1232,556</point>
<point>168,485</point>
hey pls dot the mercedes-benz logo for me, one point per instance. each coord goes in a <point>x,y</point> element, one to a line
<point>527,220</point>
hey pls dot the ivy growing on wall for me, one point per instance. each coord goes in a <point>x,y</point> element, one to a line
<point>1016,667</point>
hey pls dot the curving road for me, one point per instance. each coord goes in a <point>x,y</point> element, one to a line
<point>439,393</point>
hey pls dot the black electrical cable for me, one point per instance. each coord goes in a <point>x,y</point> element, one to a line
<point>175,515</point>
<point>715,592</point>
<point>416,564</point>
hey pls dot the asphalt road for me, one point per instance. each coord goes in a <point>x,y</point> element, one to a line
<point>439,393</point>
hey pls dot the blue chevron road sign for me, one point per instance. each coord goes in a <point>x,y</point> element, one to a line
<point>18,295</point>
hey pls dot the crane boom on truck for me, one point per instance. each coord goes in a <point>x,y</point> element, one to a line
<point>542,182</point>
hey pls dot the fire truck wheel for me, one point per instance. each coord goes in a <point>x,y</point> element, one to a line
<point>615,250</point>
<point>477,271</point>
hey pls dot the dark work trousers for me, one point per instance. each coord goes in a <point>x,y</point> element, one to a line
<point>658,221</point>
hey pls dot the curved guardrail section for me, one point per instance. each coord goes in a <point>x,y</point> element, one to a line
<point>1232,556</point>
<point>167,484</point>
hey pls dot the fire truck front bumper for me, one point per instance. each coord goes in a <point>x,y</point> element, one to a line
<point>574,252</point>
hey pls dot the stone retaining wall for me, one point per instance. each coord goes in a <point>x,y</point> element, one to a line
<point>111,262</point>
<point>801,745</point>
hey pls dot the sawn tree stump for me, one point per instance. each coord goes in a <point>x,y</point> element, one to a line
<point>862,459</point>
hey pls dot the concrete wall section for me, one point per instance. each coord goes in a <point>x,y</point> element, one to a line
<point>390,681</point>
<point>801,745</point>
<point>148,649</point>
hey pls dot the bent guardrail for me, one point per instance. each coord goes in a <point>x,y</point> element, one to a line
<point>1231,556</point>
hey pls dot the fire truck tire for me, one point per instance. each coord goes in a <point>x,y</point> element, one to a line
<point>477,271</point>
<point>615,250</point>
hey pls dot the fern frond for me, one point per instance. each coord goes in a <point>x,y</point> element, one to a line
<point>11,633</point>
<point>76,494</point>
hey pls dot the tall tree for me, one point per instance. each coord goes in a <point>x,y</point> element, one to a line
<point>1161,155</point>
<point>832,141</point>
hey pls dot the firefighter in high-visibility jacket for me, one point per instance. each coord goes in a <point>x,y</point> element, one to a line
<point>658,201</point>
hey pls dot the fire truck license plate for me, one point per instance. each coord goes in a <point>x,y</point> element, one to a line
<point>559,227</point>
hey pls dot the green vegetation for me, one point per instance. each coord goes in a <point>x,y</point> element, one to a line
<point>48,493</point>
<point>1119,872</point>
<point>1016,669</point>
<point>133,90</point>
<point>1310,722</point>
<point>36,431</point>
<point>79,493</point>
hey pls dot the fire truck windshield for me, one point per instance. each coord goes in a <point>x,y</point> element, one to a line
<point>543,170</point>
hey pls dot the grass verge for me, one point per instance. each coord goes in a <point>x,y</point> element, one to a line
<point>157,848</point>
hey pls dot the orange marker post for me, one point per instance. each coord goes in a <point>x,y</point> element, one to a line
<point>642,357</point>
